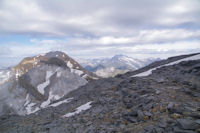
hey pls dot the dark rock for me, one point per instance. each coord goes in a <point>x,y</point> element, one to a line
<point>170,105</point>
<point>178,130</point>
<point>56,61</point>
<point>148,106</point>
<point>131,119</point>
<point>159,130</point>
<point>187,90</point>
<point>133,113</point>
<point>163,124</point>
<point>187,124</point>
<point>140,115</point>
<point>198,121</point>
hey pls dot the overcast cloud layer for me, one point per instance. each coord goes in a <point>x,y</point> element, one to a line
<point>99,28</point>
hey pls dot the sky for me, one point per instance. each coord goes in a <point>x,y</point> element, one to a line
<point>98,28</point>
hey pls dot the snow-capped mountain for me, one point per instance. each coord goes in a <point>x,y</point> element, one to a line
<point>38,81</point>
<point>118,64</point>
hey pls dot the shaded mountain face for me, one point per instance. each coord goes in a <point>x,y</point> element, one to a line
<point>118,64</point>
<point>38,81</point>
<point>161,97</point>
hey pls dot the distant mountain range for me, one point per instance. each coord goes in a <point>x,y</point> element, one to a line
<point>118,64</point>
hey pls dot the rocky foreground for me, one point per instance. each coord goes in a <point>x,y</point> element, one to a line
<point>164,101</point>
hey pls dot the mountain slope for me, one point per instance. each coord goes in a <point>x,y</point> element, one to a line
<point>38,81</point>
<point>165,100</point>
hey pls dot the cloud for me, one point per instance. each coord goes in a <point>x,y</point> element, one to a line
<point>88,28</point>
<point>93,18</point>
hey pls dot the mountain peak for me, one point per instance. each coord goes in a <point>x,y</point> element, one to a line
<point>119,56</point>
<point>52,58</point>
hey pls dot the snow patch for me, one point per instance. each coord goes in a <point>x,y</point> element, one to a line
<point>79,72</point>
<point>17,74</point>
<point>27,100</point>
<point>146,73</point>
<point>61,102</point>
<point>41,87</point>
<point>50,98</point>
<point>47,102</point>
<point>49,74</point>
<point>69,64</point>
<point>79,109</point>
<point>58,74</point>
<point>29,109</point>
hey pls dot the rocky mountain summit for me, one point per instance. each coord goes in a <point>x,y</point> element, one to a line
<point>57,58</point>
<point>163,97</point>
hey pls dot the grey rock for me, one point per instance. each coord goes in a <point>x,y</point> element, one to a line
<point>158,130</point>
<point>170,105</point>
<point>140,115</point>
<point>187,124</point>
<point>131,119</point>
<point>178,130</point>
<point>147,114</point>
<point>163,124</point>
<point>198,121</point>
<point>148,106</point>
<point>157,92</point>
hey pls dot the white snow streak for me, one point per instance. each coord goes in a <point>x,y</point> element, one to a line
<point>41,87</point>
<point>50,98</point>
<point>146,73</point>
<point>47,102</point>
<point>61,102</point>
<point>27,100</point>
<point>79,109</point>
<point>29,108</point>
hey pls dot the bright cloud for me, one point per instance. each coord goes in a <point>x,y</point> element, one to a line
<point>99,28</point>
